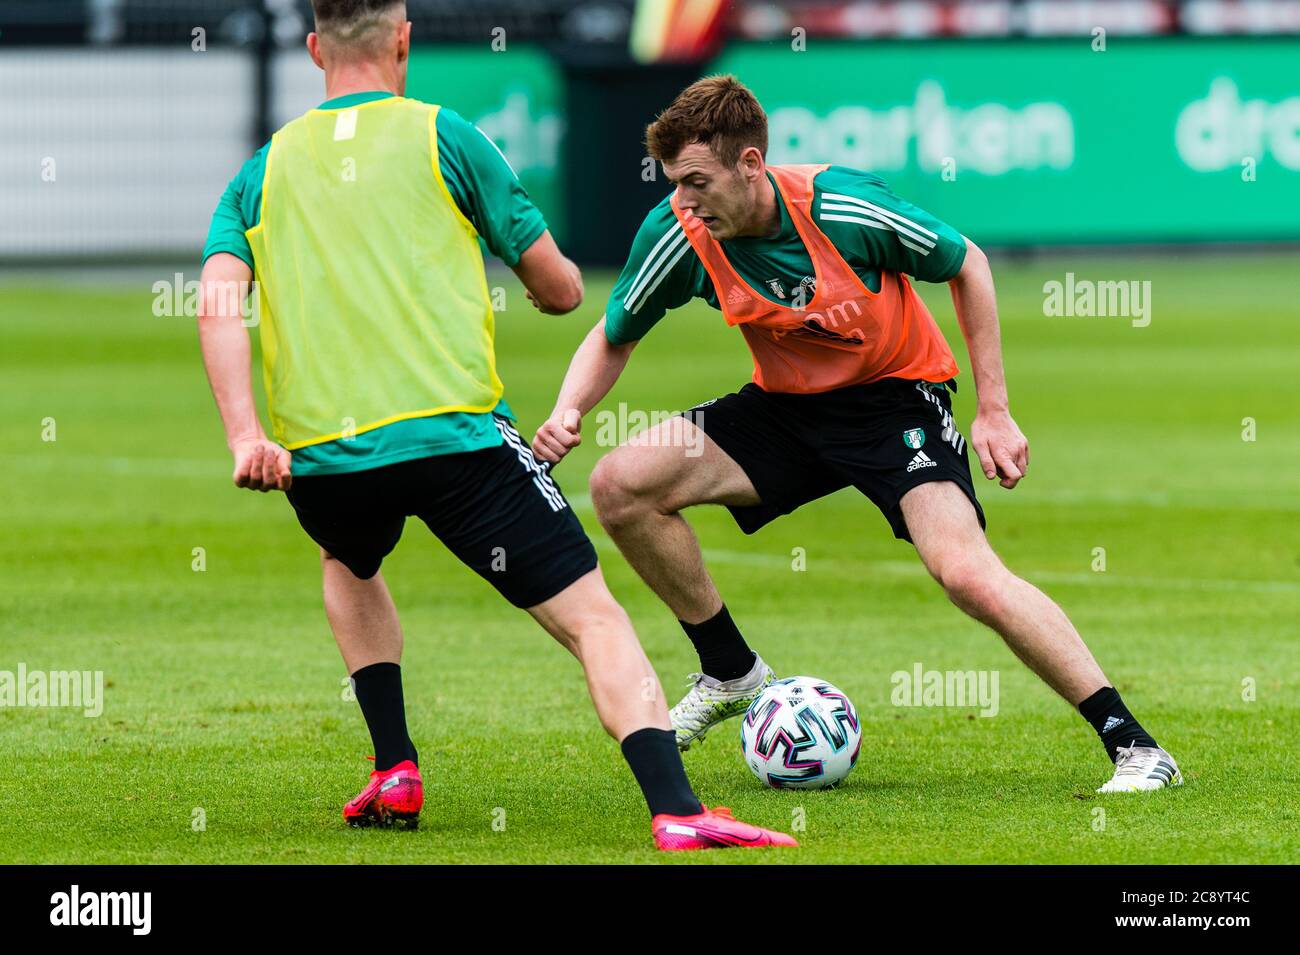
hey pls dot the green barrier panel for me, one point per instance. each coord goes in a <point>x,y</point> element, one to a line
<point>514,96</point>
<point>1025,142</point>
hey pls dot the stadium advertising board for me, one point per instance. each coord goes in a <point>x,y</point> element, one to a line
<point>518,104</point>
<point>1147,140</point>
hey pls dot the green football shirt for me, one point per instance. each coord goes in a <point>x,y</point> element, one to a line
<point>490,196</point>
<point>872,229</point>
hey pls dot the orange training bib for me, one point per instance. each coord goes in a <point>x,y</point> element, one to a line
<point>845,334</point>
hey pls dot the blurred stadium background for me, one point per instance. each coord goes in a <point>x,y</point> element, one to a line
<point>142,110</point>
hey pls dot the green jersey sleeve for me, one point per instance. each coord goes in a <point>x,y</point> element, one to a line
<point>662,273</point>
<point>237,210</point>
<point>485,188</point>
<point>866,221</point>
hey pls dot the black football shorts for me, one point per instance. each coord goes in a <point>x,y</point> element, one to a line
<point>497,509</point>
<point>883,438</point>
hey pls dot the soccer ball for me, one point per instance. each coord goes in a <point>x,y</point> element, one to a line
<point>800,733</point>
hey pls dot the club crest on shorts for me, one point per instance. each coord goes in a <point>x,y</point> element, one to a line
<point>914,437</point>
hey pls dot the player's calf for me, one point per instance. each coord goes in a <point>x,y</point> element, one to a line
<point>951,543</point>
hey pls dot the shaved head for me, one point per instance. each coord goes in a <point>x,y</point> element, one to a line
<point>352,30</point>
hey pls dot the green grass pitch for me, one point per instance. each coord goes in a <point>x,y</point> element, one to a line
<point>225,691</point>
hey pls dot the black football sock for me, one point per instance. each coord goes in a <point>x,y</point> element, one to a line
<point>1113,722</point>
<point>379,691</point>
<point>657,765</point>
<point>724,655</point>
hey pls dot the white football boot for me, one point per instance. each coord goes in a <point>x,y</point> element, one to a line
<point>1139,768</point>
<point>711,701</point>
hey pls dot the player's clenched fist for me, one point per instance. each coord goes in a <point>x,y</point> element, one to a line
<point>1001,447</point>
<point>558,435</point>
<point>262,465</point>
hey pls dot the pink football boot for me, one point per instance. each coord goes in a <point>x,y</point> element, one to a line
<point>712,829</point>
<point>392,796</point>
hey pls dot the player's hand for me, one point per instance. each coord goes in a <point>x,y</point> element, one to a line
<point>558,436</point>
<point>261,465</point>
<point>1003,451</point>
<point>540,307</point>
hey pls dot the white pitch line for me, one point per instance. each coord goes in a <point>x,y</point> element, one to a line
<point>92,464</point>
<point>189,467</point>
<point>915,569</point>
<point>1276,501</point>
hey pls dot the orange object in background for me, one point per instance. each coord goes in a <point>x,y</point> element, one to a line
<point>677,31</point>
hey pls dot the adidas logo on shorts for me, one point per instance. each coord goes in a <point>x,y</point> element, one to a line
<point>922,460</point>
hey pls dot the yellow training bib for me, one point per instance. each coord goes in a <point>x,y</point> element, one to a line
<point>374,302</point>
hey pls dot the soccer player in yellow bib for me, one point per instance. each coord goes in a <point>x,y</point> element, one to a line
<point>851,380</point>
<point>361,221</point>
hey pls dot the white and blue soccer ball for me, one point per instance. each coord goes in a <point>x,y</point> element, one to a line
<point>800,733</point>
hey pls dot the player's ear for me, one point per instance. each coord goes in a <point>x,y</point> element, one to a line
<point>313,48</point>
<point>404,41</point>
<point>751,162</point>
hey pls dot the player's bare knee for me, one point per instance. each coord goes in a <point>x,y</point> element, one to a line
<point>598,624</point>
<point>974,586</point>
<point>615,492</point>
